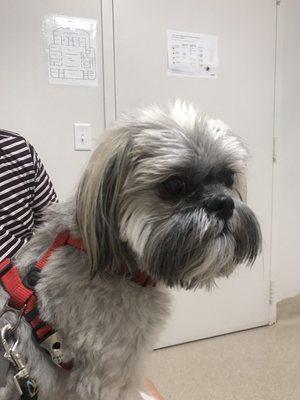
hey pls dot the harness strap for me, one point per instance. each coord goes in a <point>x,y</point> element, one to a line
<point>22,294</point>
<point>60,240</point>
<point>12,283</point>
<point>140,278</point>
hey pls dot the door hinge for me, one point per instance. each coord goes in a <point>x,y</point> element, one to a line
<point>271,293</point>
<point>277,2</point>
<point>274,156</point>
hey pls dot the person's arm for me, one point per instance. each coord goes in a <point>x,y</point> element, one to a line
<point>153,391</point>
<point>44,193</point>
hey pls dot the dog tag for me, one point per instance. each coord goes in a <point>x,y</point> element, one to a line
<point>4,367</point>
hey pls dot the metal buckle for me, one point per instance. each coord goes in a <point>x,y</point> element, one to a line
<point>15,311</point>
<point>53,345</point>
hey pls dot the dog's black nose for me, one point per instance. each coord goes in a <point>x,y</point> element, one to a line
<point>222,205</point>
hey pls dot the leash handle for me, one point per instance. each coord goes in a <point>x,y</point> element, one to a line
<point>26,387</point>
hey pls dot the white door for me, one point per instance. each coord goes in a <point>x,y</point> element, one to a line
<point>286,236</point>
<point>242,95</point>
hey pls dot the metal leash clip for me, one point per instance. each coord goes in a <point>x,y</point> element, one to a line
<point>18,314</point>
<point>26,387</point>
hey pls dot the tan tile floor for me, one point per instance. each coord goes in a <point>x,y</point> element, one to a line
<point>258,364</point>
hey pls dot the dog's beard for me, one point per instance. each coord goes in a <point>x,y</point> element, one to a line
<point>192,248</point>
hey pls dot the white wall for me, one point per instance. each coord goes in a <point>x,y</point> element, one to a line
<point>44,113</point>
<point>286,216</point>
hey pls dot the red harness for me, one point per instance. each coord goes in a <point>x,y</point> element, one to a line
<point>22,293</point>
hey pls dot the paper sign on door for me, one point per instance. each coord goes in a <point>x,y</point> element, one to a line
<point>70,44</point>
<point>192,54</point>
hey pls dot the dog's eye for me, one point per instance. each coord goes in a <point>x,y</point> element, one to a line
<point>175,185</point>
<point>229,178</point>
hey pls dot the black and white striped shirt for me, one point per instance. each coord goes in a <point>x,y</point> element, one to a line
<point>25,191</point>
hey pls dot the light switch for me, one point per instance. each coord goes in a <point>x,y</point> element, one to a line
<point>82,137</point>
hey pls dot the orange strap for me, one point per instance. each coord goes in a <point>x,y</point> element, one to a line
<point>60,240</point>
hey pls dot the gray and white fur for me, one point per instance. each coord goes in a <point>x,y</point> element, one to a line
<point>163,193</point>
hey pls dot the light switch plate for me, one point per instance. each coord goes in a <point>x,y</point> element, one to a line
<point>82,137</point>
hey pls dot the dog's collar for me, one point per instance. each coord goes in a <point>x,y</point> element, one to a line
<point>139,277</point>
<point>65,238</point>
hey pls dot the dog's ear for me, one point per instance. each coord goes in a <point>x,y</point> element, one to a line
<point>97,208</point>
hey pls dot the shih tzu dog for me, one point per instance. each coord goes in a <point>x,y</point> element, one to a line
<point>160,205</point>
